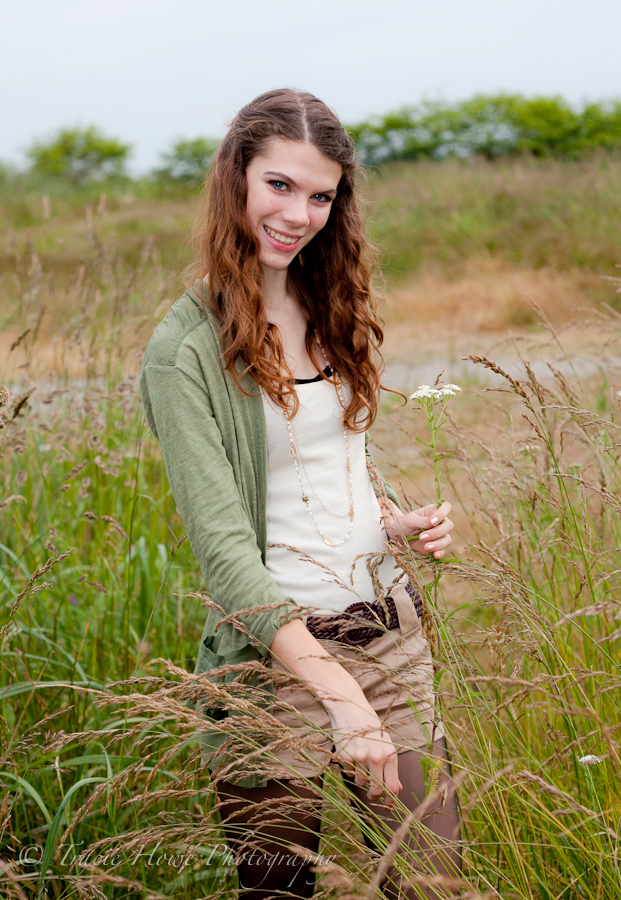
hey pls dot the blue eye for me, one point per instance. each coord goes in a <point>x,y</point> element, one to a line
<point>281,183</point>
<point>323,197</point>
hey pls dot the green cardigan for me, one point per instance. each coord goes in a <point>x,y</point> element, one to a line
<point>214,446</point>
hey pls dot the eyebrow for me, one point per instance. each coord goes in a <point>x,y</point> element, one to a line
<point>295,184</point>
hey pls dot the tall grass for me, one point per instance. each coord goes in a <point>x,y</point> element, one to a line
<point>103,789</point>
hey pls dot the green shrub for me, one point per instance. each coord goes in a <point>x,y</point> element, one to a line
<point>79,155</point>
<point>489,126</point>
<point>187,161</point>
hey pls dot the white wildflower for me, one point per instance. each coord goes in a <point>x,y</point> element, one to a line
<point>449,390</point>
<point>591,760</point>
<point>425,392</point>
<point>619,394</point>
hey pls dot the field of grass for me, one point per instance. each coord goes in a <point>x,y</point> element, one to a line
<point>103,794</point>
<point>465,244</point>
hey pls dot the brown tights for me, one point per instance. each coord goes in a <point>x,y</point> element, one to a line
<point>260,839</point>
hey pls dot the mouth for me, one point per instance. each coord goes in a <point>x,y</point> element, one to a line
<point>280,241</point>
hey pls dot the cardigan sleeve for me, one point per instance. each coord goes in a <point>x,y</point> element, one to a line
<point>219,529</point>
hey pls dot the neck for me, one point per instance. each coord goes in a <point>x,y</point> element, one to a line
<point>275,291</point>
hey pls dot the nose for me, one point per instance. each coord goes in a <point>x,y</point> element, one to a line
<point>296,213</point>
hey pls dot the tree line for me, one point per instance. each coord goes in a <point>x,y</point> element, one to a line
<point>485,125</point>
<point>490,126</point>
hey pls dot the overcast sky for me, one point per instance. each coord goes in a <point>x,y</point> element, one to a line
<point>152,71</point>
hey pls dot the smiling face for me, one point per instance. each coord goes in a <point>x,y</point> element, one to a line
<point>290,189</point>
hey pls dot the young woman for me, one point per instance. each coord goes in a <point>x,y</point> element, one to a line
<point>260,384</point>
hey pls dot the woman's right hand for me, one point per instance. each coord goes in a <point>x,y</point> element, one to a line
<point>364,747</point>
<point>362,744</point>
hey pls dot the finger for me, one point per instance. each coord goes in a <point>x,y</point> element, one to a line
<point>391,778</point>
<point>361,775</point>
<point>434,534</point>
<point>437,547</point>
<point>427,511</point>
<point>441,544</point>
<point>376,782</point>
<point>375,792</point>
<point>425,518</point>
<point>441,513</point>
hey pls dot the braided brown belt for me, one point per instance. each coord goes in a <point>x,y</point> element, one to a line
<point>361,622</point>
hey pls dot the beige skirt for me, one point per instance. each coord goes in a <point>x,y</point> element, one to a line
<point>395,671</point>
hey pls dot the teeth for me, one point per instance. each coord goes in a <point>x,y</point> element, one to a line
<point>280,237</point>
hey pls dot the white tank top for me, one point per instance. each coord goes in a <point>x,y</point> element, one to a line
<point>321,578</point>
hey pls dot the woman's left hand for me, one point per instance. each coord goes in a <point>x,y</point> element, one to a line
<point>426,530</point>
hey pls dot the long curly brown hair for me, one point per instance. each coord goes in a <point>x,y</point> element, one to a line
<point>334,284</point>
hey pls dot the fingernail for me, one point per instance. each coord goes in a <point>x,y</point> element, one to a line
<point>423,537</point>
<point>434,520</point>
<point>430,547</point>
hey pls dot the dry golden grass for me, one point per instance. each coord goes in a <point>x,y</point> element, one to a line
<point>491,295</point>
<point>491,298</point>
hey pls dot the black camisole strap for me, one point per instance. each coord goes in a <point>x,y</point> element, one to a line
<point>327,371</point>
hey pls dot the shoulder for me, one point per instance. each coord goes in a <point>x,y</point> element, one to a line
<point>188,325</point>
<point>181,366</point>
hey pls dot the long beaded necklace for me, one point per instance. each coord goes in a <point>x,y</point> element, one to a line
<point>300,468</point>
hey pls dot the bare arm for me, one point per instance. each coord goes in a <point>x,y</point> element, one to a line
<point>358,732</point>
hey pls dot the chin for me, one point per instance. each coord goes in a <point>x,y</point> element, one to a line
<point>270,263</point>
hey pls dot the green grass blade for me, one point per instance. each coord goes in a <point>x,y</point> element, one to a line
<point>51,835</point>
<point>36,796</point>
